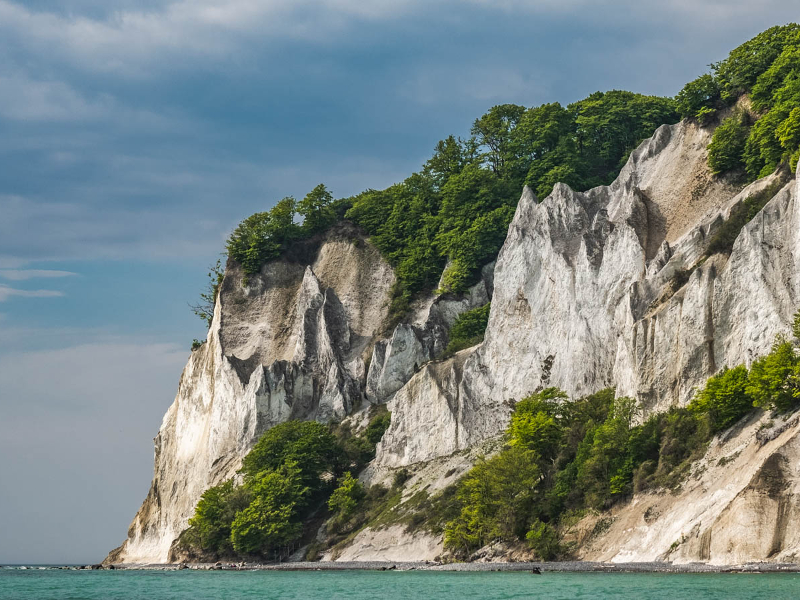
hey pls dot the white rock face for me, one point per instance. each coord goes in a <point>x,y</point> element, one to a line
<point>395,360</point>
<point>288,346</point>
<point>741,504</point>
<point>606,288</point>
<point>391,543</point>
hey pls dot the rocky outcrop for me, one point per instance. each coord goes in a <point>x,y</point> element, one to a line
<point>740,504</point>
<point>610,288</point>
<point>396,359</point>
<point>290,344</point>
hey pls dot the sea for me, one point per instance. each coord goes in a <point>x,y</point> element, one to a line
<point>45,584</point>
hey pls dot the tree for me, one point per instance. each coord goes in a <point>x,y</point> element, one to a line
<point>270,520</point>
<point>449,158</point>
<point>724,398</point>
<point>496,496</point>
<point>263,236</point>
<point>702,93</point>
<point>216,510</point>
<point>345,498</point>
<point>208,297</point>
<point>494,131</point>
<point>544,540</point>
<point>316,209</point>
<point>308,444</point>
<point>773,380</point>
<point>536,423</point>
<point>728,144</point>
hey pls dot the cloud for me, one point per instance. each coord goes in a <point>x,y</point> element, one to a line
<point>7,292</point>
<point>130,38</point>
<point>27,100</point>
<point>24,274</point>
<point>82,376</point>
<point>107,219</point>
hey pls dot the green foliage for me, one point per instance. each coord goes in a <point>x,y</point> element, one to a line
<point>774,380</point>
<point>208,297</point>
<point>796,325</point>
<point>766,68</point>
<point>308,444</point>
<point>496,495</point>
<point>272,519</point>
<point>738,73</point>
<point>564,457</point>
<point>724,398</point>
<point>587,453</point>
<point>537,423</point>
<point>545,540</point>
<point>345,498</point>
<point>197,344</point>
<point>728,143</point>
<point>699,98</point>
<point>723,239</point>
<point>263,236</point>
<point>214,515</point>
<point>360,449</point>
<point>459,207</point>
<point>468,329</point>
<point>317,210</point>
<point>283,483</point>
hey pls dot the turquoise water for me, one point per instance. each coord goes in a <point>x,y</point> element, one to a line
<point>358,585</point>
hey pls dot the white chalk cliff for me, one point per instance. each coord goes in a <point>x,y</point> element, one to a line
<point>608,287</point>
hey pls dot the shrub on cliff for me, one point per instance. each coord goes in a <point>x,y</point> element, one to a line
<point>727,145</point>
<point>774,380</point>
<point>565,456</point>
<point>724,398</point>
<point>468,328</point>
<point>262,236</point>
<point>345,499</point>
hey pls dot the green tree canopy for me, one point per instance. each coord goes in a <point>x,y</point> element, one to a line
<point>271,519</point>
<point>308,444</point>
<point>724,398</point>
<point>317,209</point>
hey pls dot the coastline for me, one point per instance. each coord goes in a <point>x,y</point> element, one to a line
<point>558,567</point>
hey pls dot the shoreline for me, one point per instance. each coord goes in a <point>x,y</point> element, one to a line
<point>554,567</point>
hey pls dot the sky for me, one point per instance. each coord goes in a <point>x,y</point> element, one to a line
<point>134,135</point>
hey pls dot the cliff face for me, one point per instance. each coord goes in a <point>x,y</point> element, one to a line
<point>289,345</point>
<point>608,287</point>
<point>739,504</point>
<point>293,343</point>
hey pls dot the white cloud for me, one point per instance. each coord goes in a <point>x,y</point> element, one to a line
<point>25,274</point>
<point>23,99</point>
<point>7,292</point>
<point>129,38</point>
